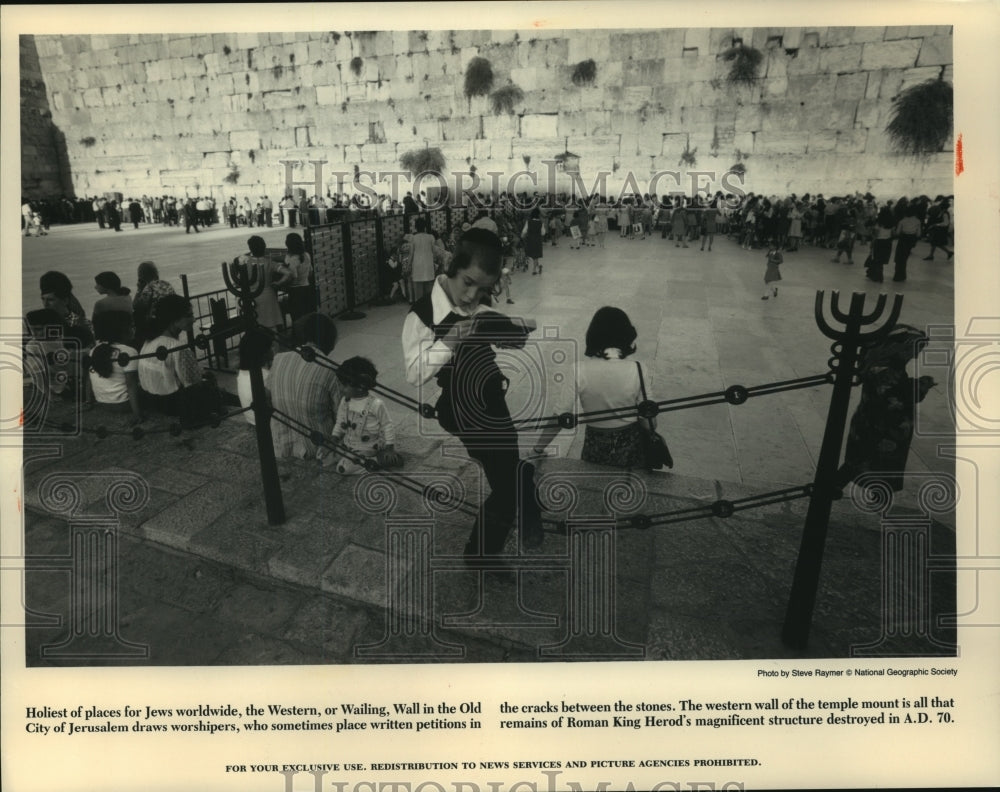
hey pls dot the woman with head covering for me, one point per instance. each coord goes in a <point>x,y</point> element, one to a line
<point>882,426</point>
<point>57,295</point>
<point>57,283</point>
<point>148,291</point>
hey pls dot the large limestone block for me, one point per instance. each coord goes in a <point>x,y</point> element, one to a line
<point>869,114</point>
<point>180,47</point>
<point>685,69</point>
<point>839,36</point>
<point>897,32</point>
<point>386,67</point>
<point>482,150</point>
<point>697,38</point>
<point>851,86</point>
<point>775,84</point>
<point>915,76</point>
<point>766,37</point>
<point>193,67</point>
<point>890,54</point>
<point>585,45</point>
<point>852,140</point>
<point>540,125</point>
<point>780,143</point>
<point>460,128</point>
<point>598,122</point>
<point>841,59</point>
<point>404,66</point>
<point>503,36</point>
<point>865,34</point>
<point>804,62</point>
<point>503,57</point>
<point>775,65</point>
<point>572,124</point>
<point>638,97</point>
<point>244,139</point>
<point>404,89</point>
<point>505,126</point>
<point>623,122</point>
<point>329,95</point>
<point>935,51</point>
<point>92,98</point>
<point>822,140</point>
<point>590,98</point>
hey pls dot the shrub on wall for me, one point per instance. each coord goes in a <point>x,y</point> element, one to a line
<point>688,156</point>
<point>921,118</point>
<point>505,99</point>
<point>425,160</point>
<point>585,72</point>
<point>356,65</point>
<point>744,62</point>
<point>88,141</point>
<point>478,77</point>
<point>232,177</point>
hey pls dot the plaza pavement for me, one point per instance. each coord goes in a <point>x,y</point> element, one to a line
<point>705,589</point>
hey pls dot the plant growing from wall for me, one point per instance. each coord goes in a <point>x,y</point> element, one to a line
<point>478,77</point>
<point>425,160</point>
<point>357,64</point>
<point>688,155</point>
<point>88,141</point>
<point>233,176</point>
<point>503,100</point>
<point>585,72</point>
<point>921,120</point>
<point>739,168</point>
<point>527,159</point>
<point>743,64</point>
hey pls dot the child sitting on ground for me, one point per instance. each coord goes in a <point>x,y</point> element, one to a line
<point>363,424</point>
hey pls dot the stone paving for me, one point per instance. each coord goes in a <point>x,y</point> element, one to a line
<point>314,589</point>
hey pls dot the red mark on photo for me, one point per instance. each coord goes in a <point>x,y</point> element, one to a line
<point>959,161</point>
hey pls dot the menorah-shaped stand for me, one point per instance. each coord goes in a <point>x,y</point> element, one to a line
<point>844,365</point>
<point>247,282</point>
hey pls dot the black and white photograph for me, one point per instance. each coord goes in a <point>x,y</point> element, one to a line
<point>542,343</point>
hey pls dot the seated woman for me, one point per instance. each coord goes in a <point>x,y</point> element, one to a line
<point>176,385</point>
<point>114,296</point>
<point>607,381</point>
<point>149,290</point>
<point>111,382</point>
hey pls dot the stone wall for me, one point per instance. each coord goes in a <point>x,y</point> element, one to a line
<point>42,157</point>
<point>217,113</point>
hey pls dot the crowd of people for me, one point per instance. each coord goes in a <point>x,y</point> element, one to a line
<point>130,326</point>
<point>449,333</point>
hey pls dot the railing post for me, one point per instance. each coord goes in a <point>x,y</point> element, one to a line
<point>261,407</point>
<point>802,597</point>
